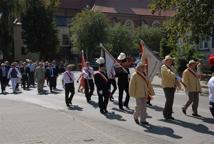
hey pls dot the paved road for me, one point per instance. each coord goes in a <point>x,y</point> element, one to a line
<point>31,118</point>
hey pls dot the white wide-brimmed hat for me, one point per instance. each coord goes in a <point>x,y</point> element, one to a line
<point>168,57</point>
<point>122,56</point>
<point>100,60</point>
<point>191,62</point>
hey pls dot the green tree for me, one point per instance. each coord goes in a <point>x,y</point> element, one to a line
<point>9,11</point>
<point>193,19</point>
<point>88,30</point>
<point>121,39</point>
<point>150,35</point>
<point>39,30</point>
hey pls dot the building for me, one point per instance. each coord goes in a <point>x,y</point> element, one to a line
<point>132,13</point>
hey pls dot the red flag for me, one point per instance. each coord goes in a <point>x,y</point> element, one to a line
<point>83,64</point>
<point>211,59</point>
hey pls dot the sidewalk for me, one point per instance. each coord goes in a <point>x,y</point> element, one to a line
<point>23,123</point>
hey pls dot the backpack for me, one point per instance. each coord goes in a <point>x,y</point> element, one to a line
<point>13,73</point>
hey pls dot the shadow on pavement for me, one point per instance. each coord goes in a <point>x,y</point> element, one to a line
<point>128,111</point>
<point>93,103</point>
<point>204,119</point>
<point>113,116</point>
<point>75,107</point>
<point>160,130</point>
<point>155,107</point>
<point>200,128</point>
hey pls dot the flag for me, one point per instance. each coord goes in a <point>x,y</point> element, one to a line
<point>110,61</point>
<point>83,64</point>
<point>153,63</point>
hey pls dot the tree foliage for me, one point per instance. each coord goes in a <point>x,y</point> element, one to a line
<point>121,39</point>
<point>193,20</point>
<point>9,11</point>
<point>150,35</point>
<point>88,29</point>
<point>39,30</point>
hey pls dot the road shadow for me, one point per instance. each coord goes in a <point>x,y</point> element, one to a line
<point>114,116</point>
<point>204,119</point>
<point>160,130</point>
<point>93,103</point>
<point>155,107</point>
<point>75,107</point>
<point>128,111</point>
<point>200,128</point>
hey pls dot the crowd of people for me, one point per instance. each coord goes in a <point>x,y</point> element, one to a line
<point>27,74</point>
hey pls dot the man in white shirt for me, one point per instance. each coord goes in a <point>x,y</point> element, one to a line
<point>88,73</point>
<point>211,94</point>
<point>68,84</point>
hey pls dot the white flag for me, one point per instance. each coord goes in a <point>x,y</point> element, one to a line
<point>153,63</point>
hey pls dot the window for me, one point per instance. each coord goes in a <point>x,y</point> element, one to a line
<point>65,39</point>
<point>203,45</point>
<point>61,21</point>
<point>213,41</point>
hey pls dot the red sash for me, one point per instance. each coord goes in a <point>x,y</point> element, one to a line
<point>102,75</point>
<point>142,76</point>
<point>192,72</point>
<point>69,76</point>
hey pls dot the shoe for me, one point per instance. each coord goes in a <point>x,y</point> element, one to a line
<point>121,108</point>
<point>149,104</point>
<point>144,123</point>
<point>102,112</point>
<point>126,106</point>
<point>196,115</point>
<point>184,111</point>
<point>136,121</point>
<point>111,99</point>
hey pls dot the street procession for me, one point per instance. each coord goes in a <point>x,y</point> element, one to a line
<point>106,71</point>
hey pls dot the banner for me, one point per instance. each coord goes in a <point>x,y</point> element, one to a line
<point>153,63</point>
<point>83,64</point>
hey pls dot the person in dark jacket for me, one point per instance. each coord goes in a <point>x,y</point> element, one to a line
<point>102,84</point>
<point>25,75</point>
<point>3,77</point>
<point>51,75</point>
<point>123,81</point>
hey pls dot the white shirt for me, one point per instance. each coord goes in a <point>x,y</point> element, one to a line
<point>211,89</point>
<point>88,72</point>
<point>68,77</point>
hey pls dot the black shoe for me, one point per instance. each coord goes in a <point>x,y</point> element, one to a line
<point>149,104</point>
<point>184,111</point>
<point>136,121</point>
<point>144,123</point>
<point>111,99</point>
<point>196,115</point>
<point>121,108</point>
<point>102,112</point>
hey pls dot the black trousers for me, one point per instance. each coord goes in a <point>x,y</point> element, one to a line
<point>102,100</point>
<point>169,95</point>
<point>52,81</point>
<point>25,81</point>
<point>114,84</point>
<point>89,89</point>
<point>3,83</point>
<point>123,87</point>
<point>31,79</point>
<point>212,108</point>
<point>69,89</point>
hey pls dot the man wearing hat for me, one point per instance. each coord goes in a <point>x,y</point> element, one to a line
<point>123,81</point>
<point>102,84</point>
<point>192,81</point>
<point>139,89</point>
<point>3,77</point>
<point>68,84</point>
<point>89,83</point>
<point>168,79</point>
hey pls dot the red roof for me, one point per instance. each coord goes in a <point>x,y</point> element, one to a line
<point>75,4</point>
<point>138,7</point>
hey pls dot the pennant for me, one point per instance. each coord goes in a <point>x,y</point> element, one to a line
<point>153,63</point>
<point>83,62</point>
